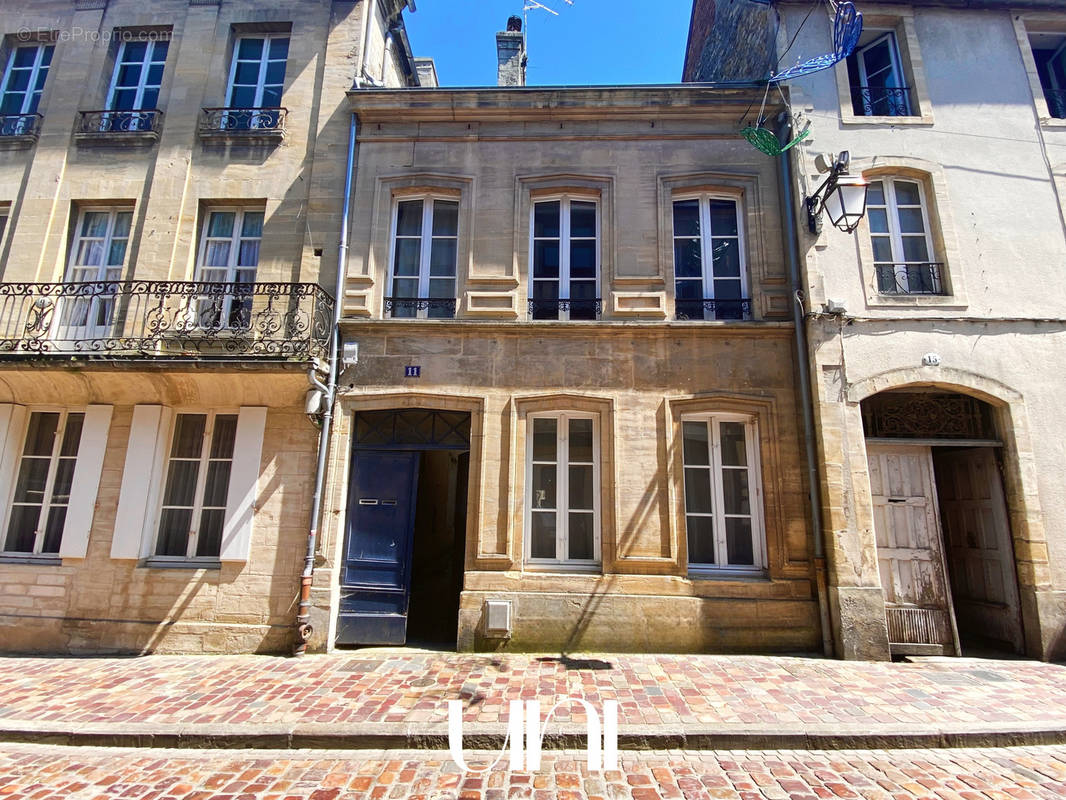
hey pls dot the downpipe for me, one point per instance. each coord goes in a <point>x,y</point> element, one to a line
<point>304,630</point>
<point>791,235</point>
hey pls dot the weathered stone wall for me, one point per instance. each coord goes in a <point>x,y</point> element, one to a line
<point>730,40</point>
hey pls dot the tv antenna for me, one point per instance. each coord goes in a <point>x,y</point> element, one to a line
<point>535,5</point>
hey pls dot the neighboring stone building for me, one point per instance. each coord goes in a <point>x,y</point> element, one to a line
<point>937,331</point>
<point>171,181</point>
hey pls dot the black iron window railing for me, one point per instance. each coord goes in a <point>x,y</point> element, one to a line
<point>409,307</point>
<point>20,125</point>
<point>710,308</point>
<point>144,319</point>
<point>911,278</point>
<point>881,101</point>
<point>242,121</point>
<point>119,122</point>
<point>585,309</point>
<point>1056,102</point>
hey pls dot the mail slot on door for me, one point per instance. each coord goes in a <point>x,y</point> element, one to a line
<point>897,499</point>
<point>388,502</point>
<point>368,501</point>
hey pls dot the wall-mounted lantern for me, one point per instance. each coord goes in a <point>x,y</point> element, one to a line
<point>841,196</point>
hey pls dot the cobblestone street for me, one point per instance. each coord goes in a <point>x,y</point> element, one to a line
<point>43,772</point>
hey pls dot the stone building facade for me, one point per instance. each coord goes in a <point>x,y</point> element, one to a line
<point>170,197</point>
<point>937,330</point>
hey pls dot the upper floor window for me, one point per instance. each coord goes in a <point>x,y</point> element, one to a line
<point>424,257</point>
<point>1049,53</point>
<point>229,255</point>
<point>135,85</point>
<point>723,505</point>
<point>257,77</point>
<point>97,258</point>
<point>878,83</point>
<point>565,260</point>
<point>24,79</point>
<point>710,279</point>
<point>563,482</point>
<point>901,239</point>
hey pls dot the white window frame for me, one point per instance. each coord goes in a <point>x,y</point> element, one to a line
<point>888,182</point>
<point>264,62</point>
<point>223,304</point>
<point>426,247</point>
<point>49,486</point>
<point>142,82</point>
<point>706,235</point>
<point>717,514</point>
<point>562,491</point>
<point>5,220</point>
<point>203,462</point>
<point>99,302</point>
<point>564,200</point>
<point>897,71</point>
<point>35,72</point>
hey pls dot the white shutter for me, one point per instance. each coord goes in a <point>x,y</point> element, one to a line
<point>12,430</point>
<point>243,484</point>
<point>86,482</point>
<point>140,478</point>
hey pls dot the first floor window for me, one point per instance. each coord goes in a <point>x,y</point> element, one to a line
<point>197,485</point>
<point>229,258</point>
<point>565,260</point>
<point>723,514</point>
<point>97,258</point>
<point>42,488</point>
<point>877,83</point>
<point>257,77</point>
<point>424,245</point>
<point>24,79</point>
<point>135,86</point>
<point>563,470</point>
<point>901,240</point>
<point>710,279</point>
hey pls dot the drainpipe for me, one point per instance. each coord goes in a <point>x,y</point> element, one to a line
<point>806,401</point>
<point>329,396</point>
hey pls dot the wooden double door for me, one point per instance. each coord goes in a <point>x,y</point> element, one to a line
<point>943,548</point>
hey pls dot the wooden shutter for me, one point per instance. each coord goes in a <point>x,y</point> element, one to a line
<point>86,482</point>
<point>141,477</point>
<point>12,429</point>
<point>243,484</point>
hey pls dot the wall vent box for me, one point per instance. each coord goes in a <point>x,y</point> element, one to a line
<point>498,617</point>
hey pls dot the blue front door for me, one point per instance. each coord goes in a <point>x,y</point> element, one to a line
<point>376,574</point>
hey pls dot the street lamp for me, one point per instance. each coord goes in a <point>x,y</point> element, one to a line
<point>841,196</point>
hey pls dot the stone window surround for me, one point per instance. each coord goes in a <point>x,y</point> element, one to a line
<point>147,33</point>
<point>388,190</point>
<point>762,411</point>
<point>565,197</point>
<point>933,179</point>
<point>901,23</point>
<point>602,409</point>
<point>1038,22</point>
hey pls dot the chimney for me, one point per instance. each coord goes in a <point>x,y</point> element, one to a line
<point>511,52</point>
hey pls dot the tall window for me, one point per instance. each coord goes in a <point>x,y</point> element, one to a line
<point>899,233</point>
<point>197,485</point>
<point>563,480</point>
<point>710,280</point>
<point>425,238</point>
<point>96,261</point>
<point>256,80</point>
<point>565,260</point>
<point>24,79</point>
<point>723,514</point>
<point>45,476</point>
<point>135,86</point>
<point>1049,53</point>
<point>878,87</point>
<point>229,257</point>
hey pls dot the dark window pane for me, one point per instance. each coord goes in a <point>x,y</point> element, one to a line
<point>546,290</point>
<point>914,248</point>
<point>247,73</point>
<point>25,56</point>
<point>583,259</point>
<point>582,489</point>
<point>543,486</point>
<point>189,436</point>
<point>279,48</point>
<point>445,218</point>
<point>700,540</point>
<point>542,543</point>
<point>250,48</point>
<point>22,529</point>
<point>275,73</point>
<point>723,218</point>
<point>243,97</point>
<point>408,254</point>
<point>64,479</point>
<point>875,194</point>
<point>910,220</point>
<point>409,218</point>
<point>581,441</point>
<point>687,218</point>
<point>582,219</point>
<point>53,530</point>
<point>544,438</point>
<point>738,542</point>
<point>33,475</point>
<point>209,538</point>
<point>735,491</point>
<point>689,290</point>
<point>545,259</point>
<point>224,435</point>
<point>174,527</point>
<point>546,219</point>
<point>726,254</point>
<point>696,447</point>
<point>688,260</point>
<point>181,483</point>
<point>581,535</point>
<point>697,491</point>
<point>734,453</point>
<point>907,193</point>
<point>216,486</point>
<point>40,438</point>
<point>442,257</point>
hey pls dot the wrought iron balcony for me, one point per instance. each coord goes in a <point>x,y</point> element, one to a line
<point>1056,102</point>
<point>910,278</point>
<point>165,319</point>
<point>20,126</point>
<point>881,101</point>
<point>574,309</point>
<point>115,126</point>
<point>409,307</point>
<point>243,123</point>
<point>709,308</point>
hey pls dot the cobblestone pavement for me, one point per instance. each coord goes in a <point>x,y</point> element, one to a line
<point>352,689</point>
<point>43,772</point>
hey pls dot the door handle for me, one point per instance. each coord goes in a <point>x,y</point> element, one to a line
<point>368,501</point>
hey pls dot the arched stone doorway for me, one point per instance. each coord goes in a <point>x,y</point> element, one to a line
<point>944,545</point>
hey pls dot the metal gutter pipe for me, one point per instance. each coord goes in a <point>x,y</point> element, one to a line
<point>791,235</point>
<point>329,396</point>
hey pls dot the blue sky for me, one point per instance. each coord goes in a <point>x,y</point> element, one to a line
<point>590,42</point>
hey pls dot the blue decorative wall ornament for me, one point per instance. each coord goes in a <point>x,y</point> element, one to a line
<point>847,28</point>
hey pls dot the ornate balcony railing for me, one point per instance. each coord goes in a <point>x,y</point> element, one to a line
<point>408,307</point>
<point>165,319</point>
<point>23,125</point>
<point>1056,102</point>
<point>122,124</point>
<point>709,308</point>
<point>574,309</point>
<point>881,101</point>
<point>243,122</point>
<point>911,278</point>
